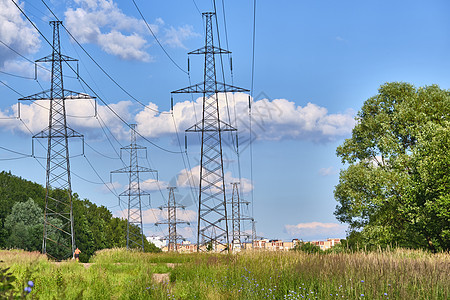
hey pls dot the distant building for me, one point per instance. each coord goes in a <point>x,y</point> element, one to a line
<point>324,245</point>
<point>257,245</point>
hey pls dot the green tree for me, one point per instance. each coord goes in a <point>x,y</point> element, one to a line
<point>25,224</point>
<point>307,247</point>
<point>395,190</point>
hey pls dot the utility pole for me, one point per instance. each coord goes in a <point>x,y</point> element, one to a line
<point>172,220</point>
<point>58,212</point>
<point>135,234</point>
<point>212,210</point>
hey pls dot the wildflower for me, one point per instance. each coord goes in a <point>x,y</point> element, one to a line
<point>362,281</point>
<point>30,283</point>
<point>27,289</point>
<point>385,294</point>
<point>362,295</point>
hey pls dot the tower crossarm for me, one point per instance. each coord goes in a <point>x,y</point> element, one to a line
<point>60,57</point>
<point>132,169</point>
<point>68,95</point>
<point>210,50</point>
<point>201,88</point>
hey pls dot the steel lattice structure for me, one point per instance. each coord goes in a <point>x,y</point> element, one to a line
<point>172,220</point>
<point>58,213</point>
<point>237,217</point>
<point>135,234</point>
<point>212,210</point>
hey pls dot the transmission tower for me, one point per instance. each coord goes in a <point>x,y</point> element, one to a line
<point>135,234</point>
<point>212,210</point>
<point>237,217</point>
<point>58,213</point>
<point>172,220</point>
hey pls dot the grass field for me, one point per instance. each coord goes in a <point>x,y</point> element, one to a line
<point>118,274</point>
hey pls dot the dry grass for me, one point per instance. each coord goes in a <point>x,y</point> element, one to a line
<point>117,274</point>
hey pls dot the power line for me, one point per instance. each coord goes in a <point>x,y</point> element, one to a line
<point>14,75</point>
<point>159,43</point>
<point>101,68</point>
<point>249,105</point>
<point>29,60</point>
<point>195,3</point>
<point>11,88</point>
<point>104,102</point>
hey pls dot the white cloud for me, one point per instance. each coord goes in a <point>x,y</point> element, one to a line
<point>106,188</point>
<point>175,37</point>
<point>327,171</point>
<point>153,215</point>
<point>188,178</point>
<point>272,119</point>
<point>316,230</point>
<point>79,116</point>
<point>103,23</point>
<point>16,32</point>
<point>151,185</point>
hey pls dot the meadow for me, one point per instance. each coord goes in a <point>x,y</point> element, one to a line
<point>121,274</point>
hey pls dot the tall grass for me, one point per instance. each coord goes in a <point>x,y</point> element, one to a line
<point>119,274</point>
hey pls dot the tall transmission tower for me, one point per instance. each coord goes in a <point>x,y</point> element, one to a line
<point>212,210</point>
<point>135,234</point>
<point>172,220</point>
<point>58,212</point>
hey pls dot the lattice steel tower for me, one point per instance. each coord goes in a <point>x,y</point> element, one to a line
<point>172,220</point>
<point>237,216</point>
<point>212,210</point>
<point>135,234</point>
<point>58,213</point>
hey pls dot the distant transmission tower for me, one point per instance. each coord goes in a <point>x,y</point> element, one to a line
<point>58,213</point>
<point>135,234</point>
<point>212,210</point>
<point>172,220</point>
<point>237,217</point>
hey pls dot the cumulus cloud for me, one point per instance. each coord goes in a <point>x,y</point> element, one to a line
<point>107,187</point>
<point>187,178</point>
<point>272,119</point>
<point>79,116</point>
<point>174,37</point>
<point>16,32</point>
<point>316,230</point>
<point>103,23</point>
<point>154,215</point>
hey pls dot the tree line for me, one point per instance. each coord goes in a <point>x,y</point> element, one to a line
<point>22,214</point>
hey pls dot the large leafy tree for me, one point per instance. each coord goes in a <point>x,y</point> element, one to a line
<point>395,189</point>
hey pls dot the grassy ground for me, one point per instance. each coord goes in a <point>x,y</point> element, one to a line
<point>118,274</point>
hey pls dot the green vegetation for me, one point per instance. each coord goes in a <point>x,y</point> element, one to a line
<point>396,187</point>
<point>121,274</point>
<point>21,220</point>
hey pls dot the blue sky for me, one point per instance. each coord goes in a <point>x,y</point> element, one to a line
<point>316,62</point>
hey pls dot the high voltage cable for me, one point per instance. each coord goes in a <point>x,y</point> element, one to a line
<point>29,60</point>
<point>159,43</point>
<point>11,88</point>
<point>223,72</point>
<point>15,152</point>
<point>14,75</point>
<point>100,67</point>
<point>250,109</point>
<point>106,104</point>
<point>195,3</point>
